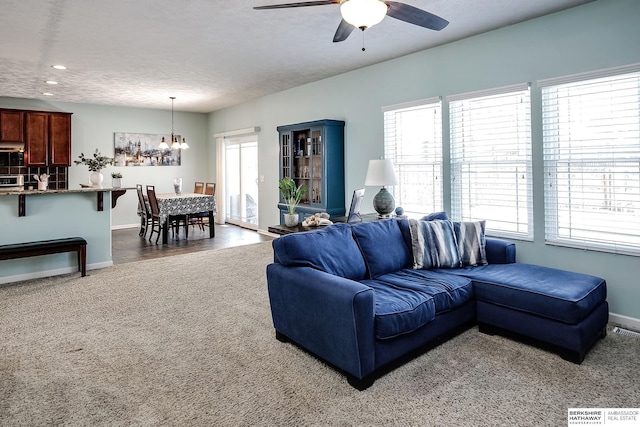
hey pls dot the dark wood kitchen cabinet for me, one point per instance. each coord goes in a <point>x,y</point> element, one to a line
<point>11,126</point>
<point>48,139</point>
<point>59,139</point>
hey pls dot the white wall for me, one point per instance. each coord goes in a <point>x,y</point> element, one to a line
<point>598,35</point>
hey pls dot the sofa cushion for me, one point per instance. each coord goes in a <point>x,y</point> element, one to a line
<point>547,292</point>
<point>408,299</point>
<point>448,291</point>
<point>383,247</point>
<point>434,244</point>
<point>330,249</point>
<point>399,310</point>
<point>471,242</point>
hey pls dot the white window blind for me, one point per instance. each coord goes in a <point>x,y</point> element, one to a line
<point>413,141</point>
<point>491,176</point>
<point>591,140</point>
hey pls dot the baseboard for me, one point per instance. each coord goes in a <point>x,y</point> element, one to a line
<point>626,321</point>
<point>267,233</point>
<point>50,273</point>
<point>125,226</point>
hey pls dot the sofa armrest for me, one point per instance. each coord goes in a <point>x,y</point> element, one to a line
<point>328,315</point>
<point>500,251</point>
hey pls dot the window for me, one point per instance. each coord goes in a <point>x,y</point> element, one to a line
<point>591,140</point>
<point>491,160</point>
<point>413,141</point>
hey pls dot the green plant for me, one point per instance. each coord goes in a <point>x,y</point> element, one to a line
<point>95,163</point>
<point>116,175</point>
<point>292,194</point>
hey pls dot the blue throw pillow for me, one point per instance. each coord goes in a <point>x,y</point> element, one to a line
<point>434,244</point>
<point>331,249</point>
<point>471,242</point>
<point>383,246</point>
<point>435,215</point>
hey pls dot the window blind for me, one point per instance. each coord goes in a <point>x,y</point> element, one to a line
<point>491,176</point>
<point>413,141</point>
<point>591,143</point>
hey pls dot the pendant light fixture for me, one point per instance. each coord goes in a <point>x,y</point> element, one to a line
<point>175,143</point>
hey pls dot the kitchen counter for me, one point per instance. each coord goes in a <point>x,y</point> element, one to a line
<point>22,194</point>
<point>65,190</point>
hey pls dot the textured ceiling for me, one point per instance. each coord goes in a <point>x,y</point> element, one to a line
<point>210,54</point>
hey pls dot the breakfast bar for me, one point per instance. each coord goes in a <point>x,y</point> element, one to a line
<point>22,195</point>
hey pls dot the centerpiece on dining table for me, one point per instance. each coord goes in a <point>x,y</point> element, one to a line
<point>177,186</point>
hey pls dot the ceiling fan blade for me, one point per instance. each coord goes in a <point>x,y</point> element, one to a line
<point>343,31</point>
<point>413,15</point>
<point>299,4</point>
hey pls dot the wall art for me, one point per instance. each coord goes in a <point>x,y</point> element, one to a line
<point>141,149</point>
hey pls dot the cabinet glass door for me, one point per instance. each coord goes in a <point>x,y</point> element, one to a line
<point>317,166</point>
<point>302,167</point>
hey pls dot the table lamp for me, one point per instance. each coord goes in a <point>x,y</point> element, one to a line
<point>380,172</point>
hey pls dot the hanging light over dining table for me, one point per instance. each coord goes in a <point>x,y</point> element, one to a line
<point>175,143</point>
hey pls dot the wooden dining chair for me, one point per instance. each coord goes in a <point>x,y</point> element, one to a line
<point>210,189</point>
<point>198,187</point>
<point>143,211</point>
<point>155,212</point>
<point>199,218</point>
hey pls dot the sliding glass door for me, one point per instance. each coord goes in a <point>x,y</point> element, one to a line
<point>241,181</point>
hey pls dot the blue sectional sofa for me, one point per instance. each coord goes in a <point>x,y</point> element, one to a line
<point>366,297</point>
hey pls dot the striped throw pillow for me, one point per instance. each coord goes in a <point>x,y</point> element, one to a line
<point>434,244</point>
<point>471,242</point>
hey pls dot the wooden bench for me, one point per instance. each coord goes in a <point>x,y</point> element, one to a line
<point>47,247</point>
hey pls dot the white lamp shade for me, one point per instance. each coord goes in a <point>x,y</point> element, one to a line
<point>380,172</point>
<point>363,13</point>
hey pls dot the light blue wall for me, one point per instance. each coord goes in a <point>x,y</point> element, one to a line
<point>93,126</point>
<point>51,216</point>
<point>598,35</point>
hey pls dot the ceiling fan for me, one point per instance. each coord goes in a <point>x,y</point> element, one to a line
<point>364,14</point>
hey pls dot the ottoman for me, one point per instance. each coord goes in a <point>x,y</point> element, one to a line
<point>561,310</point>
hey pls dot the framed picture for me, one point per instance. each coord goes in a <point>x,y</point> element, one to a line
<point>141,149</point>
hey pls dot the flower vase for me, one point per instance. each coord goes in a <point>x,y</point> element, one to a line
<point>291,220</point>
<point>177,186</point>
<point>116,182</point>
<point>96,179</point>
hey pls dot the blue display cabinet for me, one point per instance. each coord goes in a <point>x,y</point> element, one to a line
<point>312,153</point>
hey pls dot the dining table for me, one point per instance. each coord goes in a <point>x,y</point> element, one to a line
<point>185,204</point>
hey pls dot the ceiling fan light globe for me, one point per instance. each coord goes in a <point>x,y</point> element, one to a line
<point>363,13</point>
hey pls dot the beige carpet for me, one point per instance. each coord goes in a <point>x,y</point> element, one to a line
<point>188,341</point>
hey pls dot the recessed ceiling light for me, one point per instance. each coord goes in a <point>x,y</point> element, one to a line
<point>47,93</point>
<point>51,82</point>
<point>59,67</point>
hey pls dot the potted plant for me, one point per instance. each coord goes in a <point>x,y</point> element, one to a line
<point>116,179</point>
<point>95,164</point>
<point>292,195</point>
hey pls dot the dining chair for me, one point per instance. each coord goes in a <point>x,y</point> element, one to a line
<point>199,218</point>
<point>198,187</point>
<point>173,221</point>
<point>155,212</point>
<point>143,211</point>
<point>210,189</point>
